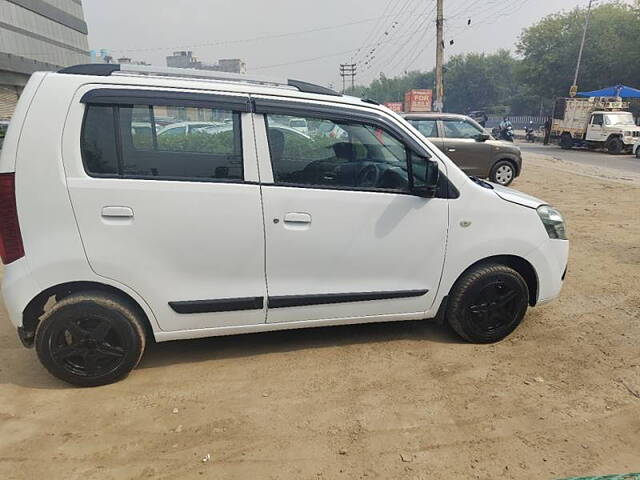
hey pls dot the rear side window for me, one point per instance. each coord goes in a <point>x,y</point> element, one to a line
<point>165,142</point>
<point>98,143</point>
<point>427,128</point>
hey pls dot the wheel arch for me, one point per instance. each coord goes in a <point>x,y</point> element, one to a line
<point>519,264</point>
<point>36,307</point>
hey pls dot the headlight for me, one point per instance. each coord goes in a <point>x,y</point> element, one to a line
<point>553,222</point>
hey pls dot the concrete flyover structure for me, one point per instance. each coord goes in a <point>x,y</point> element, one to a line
<point>37,35</point>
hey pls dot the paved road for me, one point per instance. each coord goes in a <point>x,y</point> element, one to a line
<point>627,163</point>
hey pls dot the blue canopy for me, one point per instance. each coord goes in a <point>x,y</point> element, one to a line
<point>617,91</point>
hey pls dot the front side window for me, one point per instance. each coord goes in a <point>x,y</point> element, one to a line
<point>597,119</point>
<point>158,142</point>
<point>428,128</point>
<point>460,129</point>
<point>336,154</point>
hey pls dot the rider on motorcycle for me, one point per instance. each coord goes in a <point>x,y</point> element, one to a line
<point>506,129</point>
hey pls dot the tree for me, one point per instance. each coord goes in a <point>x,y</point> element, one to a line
<point>611,54</point>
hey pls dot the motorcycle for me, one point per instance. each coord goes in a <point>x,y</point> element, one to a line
<point>529,135</point>
<point>507,134</point>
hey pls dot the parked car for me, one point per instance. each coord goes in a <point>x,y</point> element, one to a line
<point>299,124</point>
<point>479,116</point>
<point>109,242</point>
<point>185,128</point>
<point>465,142</point>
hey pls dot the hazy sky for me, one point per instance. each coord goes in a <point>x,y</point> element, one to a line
<point>314,36</point>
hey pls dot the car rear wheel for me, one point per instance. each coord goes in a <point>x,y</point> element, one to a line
<point>503,173</point>
<point>566,141</point>
<point>615,146</point>
<point>487,303</point>
<point>90,339</point>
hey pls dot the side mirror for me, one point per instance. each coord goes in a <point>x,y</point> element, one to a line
<point>425,176</point>
<point>482,137</point>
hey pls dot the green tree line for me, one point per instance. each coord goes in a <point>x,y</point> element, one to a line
<point>541,68</point>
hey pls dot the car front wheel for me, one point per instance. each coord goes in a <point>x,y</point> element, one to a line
<point>487,303</point>
<point>90,339</point>
<point>503,173</point>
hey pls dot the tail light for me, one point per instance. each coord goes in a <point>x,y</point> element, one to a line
<point>11,247</point>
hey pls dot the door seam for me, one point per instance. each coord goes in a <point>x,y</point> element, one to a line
<point>264,220</point>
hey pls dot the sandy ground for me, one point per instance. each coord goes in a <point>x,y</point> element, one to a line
<point>561,397</point>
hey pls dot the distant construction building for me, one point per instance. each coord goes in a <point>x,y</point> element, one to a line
<point>37,35</point>
<point>185,59</point>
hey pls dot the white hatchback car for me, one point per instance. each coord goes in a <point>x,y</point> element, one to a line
<point>112,235</point>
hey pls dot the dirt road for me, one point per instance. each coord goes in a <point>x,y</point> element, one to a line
<point>561,397</point>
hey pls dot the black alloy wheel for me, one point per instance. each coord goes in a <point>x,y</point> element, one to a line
<point>488,303</point>
<point>615,146</point>
<point>90,339</point>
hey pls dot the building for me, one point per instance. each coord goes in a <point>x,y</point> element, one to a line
<point>185,59</point>
<point>37,35</point>
<point>103,56</point>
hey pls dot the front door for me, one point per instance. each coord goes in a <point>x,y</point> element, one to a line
<point>595,130</point>
<point>460,144</point>
<point>172,216</point>
<point>345,238</point>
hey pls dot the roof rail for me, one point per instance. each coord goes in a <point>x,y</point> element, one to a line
<point>107,69</point>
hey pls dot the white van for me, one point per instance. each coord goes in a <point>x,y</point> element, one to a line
<point>113,235</point>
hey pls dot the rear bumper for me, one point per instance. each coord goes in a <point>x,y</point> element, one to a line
<point>18,288</point>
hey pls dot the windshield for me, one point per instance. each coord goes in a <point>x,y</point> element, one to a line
<point>622,118</point>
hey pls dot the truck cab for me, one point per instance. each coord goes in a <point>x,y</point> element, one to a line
<point>607,126</point>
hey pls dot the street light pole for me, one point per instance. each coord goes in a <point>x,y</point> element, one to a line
<point>438,104</point>
<point>574,87</point>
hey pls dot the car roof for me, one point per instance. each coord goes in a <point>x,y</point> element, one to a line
<point>113,74</point>
<point>434,116</point>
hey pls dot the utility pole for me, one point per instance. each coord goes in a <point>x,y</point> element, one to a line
<point>574,88</point>
<point>439,102</point>
<point>348,70</point>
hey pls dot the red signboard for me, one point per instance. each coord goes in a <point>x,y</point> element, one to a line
<point>418,100</point>
<point>394,106</point>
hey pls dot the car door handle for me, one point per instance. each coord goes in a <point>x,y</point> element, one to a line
<point>294,217</point>
<point>117,212</point>
<point>451,149</point>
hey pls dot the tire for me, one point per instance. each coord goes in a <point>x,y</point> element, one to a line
<point>90,339</point>
<point>503,173</point>
<point>614,146</point>
<point>566,142</point>
<point>487,303</point>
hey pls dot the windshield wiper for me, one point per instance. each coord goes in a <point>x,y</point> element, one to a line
<point>482,183</point>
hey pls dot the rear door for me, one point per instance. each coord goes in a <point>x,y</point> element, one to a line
<point>428,127</point>
<point>177,218</point>
<point>345,238</point>
<point>460,144</point>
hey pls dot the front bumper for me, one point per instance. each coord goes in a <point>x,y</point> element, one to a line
<point>550,262</point>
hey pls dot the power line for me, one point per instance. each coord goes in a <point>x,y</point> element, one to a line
<point>388,33</point>
<point>371,33</point>
<point>419,20</point>
<point>251,39</point>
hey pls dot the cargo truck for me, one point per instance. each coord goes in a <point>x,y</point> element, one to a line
<point>592,123</point>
